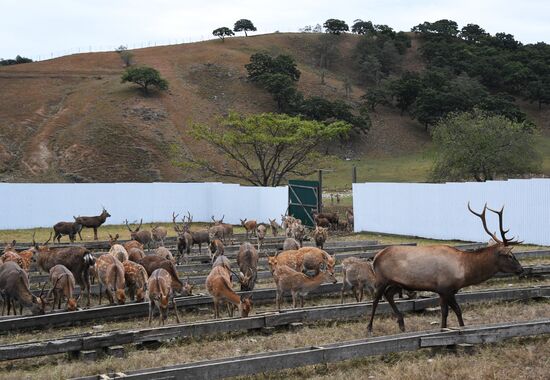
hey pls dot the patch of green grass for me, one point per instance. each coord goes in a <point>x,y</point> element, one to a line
<point>407,168</point>
<point>543,146</point>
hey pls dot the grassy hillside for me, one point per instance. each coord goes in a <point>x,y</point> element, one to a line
<point>70,119</point>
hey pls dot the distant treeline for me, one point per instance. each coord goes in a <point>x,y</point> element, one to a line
<point>16,61</point>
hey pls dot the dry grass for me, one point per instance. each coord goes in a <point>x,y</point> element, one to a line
<point>188,350</point>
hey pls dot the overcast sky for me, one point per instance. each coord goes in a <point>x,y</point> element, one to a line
<point>35,28</point>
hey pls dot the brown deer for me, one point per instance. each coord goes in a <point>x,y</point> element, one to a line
<point>219,286</point>
<point>117,250</point>
<point>298,232</point>
<point>135,277</point>
<point>286,222</point>
<point>322,222</point>
<point>261,230</point>
<point>320,235</point>
<point>165,254</point>
<point>332,217</point>
<point>290,244</point>
<point>350,218</point>
<point>153,262</point>
<point>357,273</point>
<point>274,227</point>
<point>159,293</point>
<point>227,228</point>
<point>110,274</point>
<point>144,236</point>
<point>13,256</point>
<point>249,226</point>
<point>159,234</point>
<point>135,254</point>
<point>92,222</point>
<point>66,228</point>
<point>63,285</point>
<point>441,269</point>
<point>303,260</point>
<point>216,249</point>
<point>187,238</point>
<point>299,285</point>
<point>247,260</point>
<point>132,244</point>
<point>14,286</point>
<point>77,259</point>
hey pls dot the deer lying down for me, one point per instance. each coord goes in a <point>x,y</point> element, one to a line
<point>357,273</point>
<point>159,292</point>
<point>63,284</point>
<point>219,286</point>
<point>299,285</point>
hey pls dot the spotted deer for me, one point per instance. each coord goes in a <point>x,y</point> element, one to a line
<point>159,293</point>
<point>63,285</point>
<point>110,274</point>
<point>219,286</point>
<point>136,278</point>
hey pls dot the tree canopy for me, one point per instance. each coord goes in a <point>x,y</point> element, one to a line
<point>17,61</point>
<point>145,77</point>
<point>335,26</point>
<point>244,25</point>
<point>481,147</point>
<point>264,149</point>
<point>223,32</point>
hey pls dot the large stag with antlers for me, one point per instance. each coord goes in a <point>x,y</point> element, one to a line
<point>188,238</point>
<point>441,269</point>
<point>92,221</point>
<point>143,236</point>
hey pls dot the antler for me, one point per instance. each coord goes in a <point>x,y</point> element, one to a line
<point>174,216</point>
<point>189,217</point>
<point>482,217</point>
<point>33,241</point>
<point>127,225</point>
<point>47,241</point>
<point>140,223</point>
<point>502,231</point>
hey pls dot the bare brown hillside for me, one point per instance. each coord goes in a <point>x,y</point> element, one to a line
<point>70,119</point>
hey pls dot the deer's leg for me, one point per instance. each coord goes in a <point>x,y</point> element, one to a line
<point>100,292</point>
<point>389,294</point>
<point>151,304</point>
<point>444,302</point>
<point>343,289</point>
<point>379,292</point>
<point>361,292</point>
<point>456,308</point>
<point>80,236</point>
<point>58,300</point>
<point>95,233</point>
<point>175,310</point>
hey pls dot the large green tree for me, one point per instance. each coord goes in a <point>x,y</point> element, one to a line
<point>244,25</point>
<point>264,149</point>
<point>335,26</point>
<point>145,77</point>
<point>223,32</point>
<point>481,147</point>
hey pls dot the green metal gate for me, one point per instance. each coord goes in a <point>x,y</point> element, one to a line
<point>304,198</point>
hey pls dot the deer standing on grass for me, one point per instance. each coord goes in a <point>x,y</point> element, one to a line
<point>249,226</point>
<point>66,228</point>
<point>357,273</point>
<point>143,236</point>
<point>303,260</point>
<point>187,238</point>
<point>350,218</point>
<point>216,249</point>
<point>153,262</point>
<point>441,269</point>
<point>110,274</point>
<point>136,278</point>
<point>63,285</point>
<point>299,285</point>
<point>92,222</point>
<point>117,250</point>
<point>219,286</point>
<point>159,293</point>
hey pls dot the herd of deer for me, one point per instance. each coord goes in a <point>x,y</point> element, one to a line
<point>297,269</point>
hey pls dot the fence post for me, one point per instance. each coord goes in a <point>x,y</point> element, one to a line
<point>354,174</point>
<point>320,192</point>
